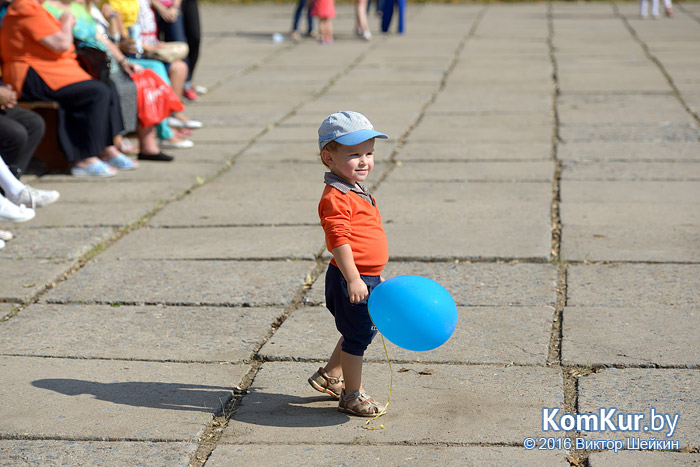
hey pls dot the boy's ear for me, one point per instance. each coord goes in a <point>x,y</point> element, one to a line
<point>326,157</point>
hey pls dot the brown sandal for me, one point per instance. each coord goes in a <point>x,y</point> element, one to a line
<point>359,403</point>
<point>321,382</point>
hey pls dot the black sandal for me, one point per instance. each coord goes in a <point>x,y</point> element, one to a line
<point>155,157</point>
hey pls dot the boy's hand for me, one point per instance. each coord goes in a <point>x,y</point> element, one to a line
<point>357,290</point>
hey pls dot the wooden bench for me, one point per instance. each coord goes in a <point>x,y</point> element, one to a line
<point>49,150</point>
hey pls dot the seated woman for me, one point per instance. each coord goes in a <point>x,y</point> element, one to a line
<point>39,62</point>
<point>140,13</point>
<point>109,23</point>
<point>85,29</point>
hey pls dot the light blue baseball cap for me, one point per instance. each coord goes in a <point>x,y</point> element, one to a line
<point>347,128</point>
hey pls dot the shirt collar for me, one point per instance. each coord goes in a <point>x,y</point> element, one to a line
<point>344,187</point>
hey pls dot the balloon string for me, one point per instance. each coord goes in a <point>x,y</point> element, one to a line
<point>388,399</point>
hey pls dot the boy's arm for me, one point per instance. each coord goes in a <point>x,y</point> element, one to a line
<point>357,289</point>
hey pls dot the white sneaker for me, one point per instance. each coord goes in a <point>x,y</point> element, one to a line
<point>34,198</point>
<point>366,35</point>
<point>201,90</point>
<point>189,124</point>
<point>13,213</point>
<point>182,144</point>
<point>2,244</point>
<point>5,235</point>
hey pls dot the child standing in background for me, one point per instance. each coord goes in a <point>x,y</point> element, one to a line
<point>354,235</point>
<point>325,11</point>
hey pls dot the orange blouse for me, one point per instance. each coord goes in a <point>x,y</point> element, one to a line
<point>25,24</point>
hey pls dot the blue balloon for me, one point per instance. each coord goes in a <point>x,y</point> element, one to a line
<point>413,312</point>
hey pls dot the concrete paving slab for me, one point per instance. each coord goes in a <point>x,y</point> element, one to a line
<point>523,235</point>
<point>511,171</point>
<point>656,243</point>
<point>649,337</point>
<point>93,215</point>
<point>111,399</point>
<point>131,191</point>
<point>447,220</point>
<point>631,214</point>
<point>475,284</point>
<point>645,79</point>
<point>490,335</point>
<point>72,453</point>
<point>275,242</point>
<point>305,151</point>
<point>620,108</point>
<point>629,150</point>
<point>494,100</point>
<point>186,282</point>
<point>229,134</point>
<point>468,129</point>
<point>681,132</point>
<point>342,454</point>
<point>633,285</point>
<point>29,277</point>
<point>635,171</point>
<point>634,459</point>
<point>631,390</point>
<point>207,152</point>
<point>54,244</point>
<point>221,334</point>
<point>281,405</point>
<point>251,194</point>
<point>630,192</point>
<point>426,151</point>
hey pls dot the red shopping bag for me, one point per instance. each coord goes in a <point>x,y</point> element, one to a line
<point>155,99</point>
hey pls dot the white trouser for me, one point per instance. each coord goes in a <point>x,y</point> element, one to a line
<point>644,7</point>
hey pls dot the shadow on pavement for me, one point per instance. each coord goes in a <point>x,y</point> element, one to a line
<point>172,396</point>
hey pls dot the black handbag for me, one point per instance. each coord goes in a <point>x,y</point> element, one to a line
<point>94,61</point>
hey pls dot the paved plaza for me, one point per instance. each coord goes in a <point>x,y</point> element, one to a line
<point>544,166</point>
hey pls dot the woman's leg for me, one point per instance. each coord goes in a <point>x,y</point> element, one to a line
<point>21,132</point>
<point>297,15</point>
<point>361,16</point>
<point>84,116</point>
<point>193,33</point>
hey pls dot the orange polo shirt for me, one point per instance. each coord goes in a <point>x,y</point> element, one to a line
<point>25,24</point>
<point>347,218</point>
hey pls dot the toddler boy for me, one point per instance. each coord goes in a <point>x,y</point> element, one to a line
<point>354,235</point>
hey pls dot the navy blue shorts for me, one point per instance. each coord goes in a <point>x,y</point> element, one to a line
<point>351,319</point>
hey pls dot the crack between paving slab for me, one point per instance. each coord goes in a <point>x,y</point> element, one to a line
<point>657,62</point>
<point>208,441</point>
<point>392,163</point>
<point>555,214</point>
<point>82,261</point>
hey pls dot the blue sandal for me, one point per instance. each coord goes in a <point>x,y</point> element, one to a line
<point>122,162</point>
<point>96,169</point>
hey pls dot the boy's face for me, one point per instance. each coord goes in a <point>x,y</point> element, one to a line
<point>353,163</point>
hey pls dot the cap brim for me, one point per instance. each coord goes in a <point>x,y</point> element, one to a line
<point>359,136</point>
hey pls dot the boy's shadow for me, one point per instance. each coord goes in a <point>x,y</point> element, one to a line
<point>288,411</point>
<point>258,408</point>
<point>171,396</point>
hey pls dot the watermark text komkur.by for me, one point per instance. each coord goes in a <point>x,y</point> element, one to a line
<point>609,419</point>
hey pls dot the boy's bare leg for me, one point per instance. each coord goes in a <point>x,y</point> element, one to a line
<point>333,367</point>
<point>352,371</point>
